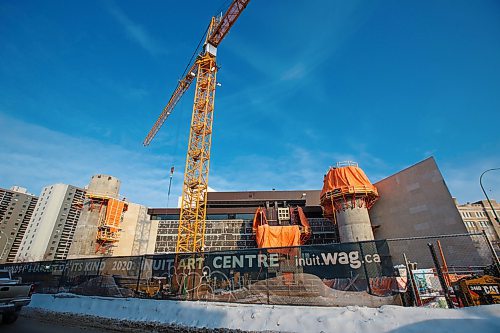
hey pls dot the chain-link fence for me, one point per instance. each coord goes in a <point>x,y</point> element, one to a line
<point>371,273</point>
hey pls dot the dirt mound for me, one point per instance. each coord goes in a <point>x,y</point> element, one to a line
<point>303,289</point>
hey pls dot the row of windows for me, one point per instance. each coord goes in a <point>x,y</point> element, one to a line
<point>483,224</point>
<point>473,214</point>
<point>175,217</point>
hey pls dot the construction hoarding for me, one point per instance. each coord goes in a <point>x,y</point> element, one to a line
<point>361,273</point>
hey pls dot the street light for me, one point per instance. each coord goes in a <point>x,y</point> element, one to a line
<point>486,195</point>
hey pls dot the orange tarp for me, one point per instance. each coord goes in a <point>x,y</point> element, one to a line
<point>347,180</point>
<point>114,213</point>
<point>277,236</point>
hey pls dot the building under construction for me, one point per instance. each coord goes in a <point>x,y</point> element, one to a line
<point>102,212</point>
<point>411,203</point>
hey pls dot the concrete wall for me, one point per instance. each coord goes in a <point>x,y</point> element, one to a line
<point>135,233</point>
<point>153,233</point>
<point>416,202</point>
<point>84,239</point>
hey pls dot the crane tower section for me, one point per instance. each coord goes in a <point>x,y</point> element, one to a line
<point>191,232</point>
<point>190,237</point>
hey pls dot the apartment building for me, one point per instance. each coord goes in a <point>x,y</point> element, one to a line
<point>478,216</point>
<point>52,226</point>
<point>16,209</point>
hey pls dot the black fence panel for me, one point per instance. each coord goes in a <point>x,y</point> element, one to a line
<point>370,273</point>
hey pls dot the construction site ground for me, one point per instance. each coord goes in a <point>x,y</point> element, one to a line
<point>35,320</point>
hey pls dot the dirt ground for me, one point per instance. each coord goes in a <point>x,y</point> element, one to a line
<point>36,320</point>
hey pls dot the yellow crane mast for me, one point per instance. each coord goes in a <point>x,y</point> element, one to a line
<point>191,232</point>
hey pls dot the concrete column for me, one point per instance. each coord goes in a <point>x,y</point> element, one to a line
<point>104,185</point>
<point>354,225</point>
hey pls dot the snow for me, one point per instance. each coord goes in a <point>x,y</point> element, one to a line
<point>252,317</point>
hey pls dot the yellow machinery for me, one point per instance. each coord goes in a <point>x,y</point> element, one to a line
<point>478,290</point>
<point>191,232</point>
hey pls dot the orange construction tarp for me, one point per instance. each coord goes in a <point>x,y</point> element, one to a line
<point>114,213</point>
<point>347,180</point>
<point>278,236</point>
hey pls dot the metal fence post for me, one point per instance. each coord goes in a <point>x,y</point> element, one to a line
<point>62,275</point>
<point>139,275</point>
<point>493,253</point>
<point>99,266</point>
<point>99,271</point>
<point>267,283</point>
<point>411,282</point>
<point>194,278</point>
<point>440,276</point>
<point>364,268</point>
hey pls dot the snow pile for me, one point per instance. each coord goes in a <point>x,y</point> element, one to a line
<point>248,317</point>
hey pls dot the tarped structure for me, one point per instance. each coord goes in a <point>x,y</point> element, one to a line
<point>268,236</point>
<point>346,183</point>
<point>347,180</point>
<point>277,236</point>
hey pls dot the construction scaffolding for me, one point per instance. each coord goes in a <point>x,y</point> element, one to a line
<point>110,212</point>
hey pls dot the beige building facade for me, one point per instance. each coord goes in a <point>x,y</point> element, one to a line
<point>52,224</point>
<point>138,232</point>
<point>478,216</point>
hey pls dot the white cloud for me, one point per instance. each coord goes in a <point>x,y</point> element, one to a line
<point>33,156</point>
<point>463,179</point>
<point>136,32</point>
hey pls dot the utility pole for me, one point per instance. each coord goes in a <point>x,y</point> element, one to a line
<point>486,195</point>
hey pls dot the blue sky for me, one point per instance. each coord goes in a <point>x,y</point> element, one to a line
<point>304,84</point>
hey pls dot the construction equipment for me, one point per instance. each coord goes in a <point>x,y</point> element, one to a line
<point>191,232</point>
<point>477,290</point>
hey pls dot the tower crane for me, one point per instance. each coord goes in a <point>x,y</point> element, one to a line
<point>191,232</point>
